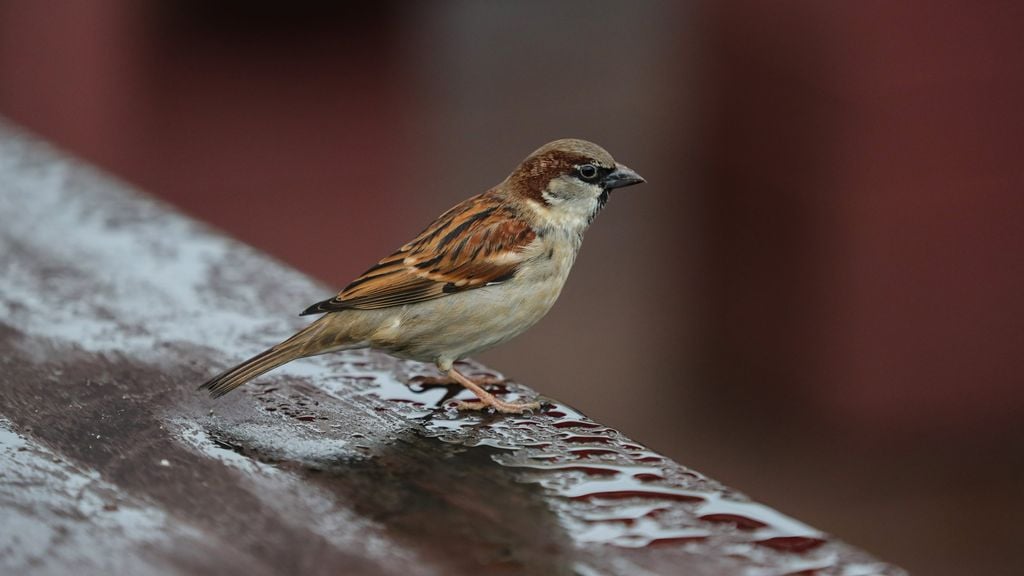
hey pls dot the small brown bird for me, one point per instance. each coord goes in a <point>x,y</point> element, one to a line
<point>480,274</point>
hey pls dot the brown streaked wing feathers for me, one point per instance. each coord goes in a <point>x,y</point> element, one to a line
<point>476,243</point>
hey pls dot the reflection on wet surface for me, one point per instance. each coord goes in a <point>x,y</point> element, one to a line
<point>604,488</point>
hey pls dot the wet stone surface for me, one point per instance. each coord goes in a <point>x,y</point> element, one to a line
<point>113,308</point>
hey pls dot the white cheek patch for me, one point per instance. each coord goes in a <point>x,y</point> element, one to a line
<point>551,199</point>
<point>567,204</point>
<point>556,193</point>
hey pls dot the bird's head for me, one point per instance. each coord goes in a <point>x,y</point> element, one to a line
<point>567,182</point>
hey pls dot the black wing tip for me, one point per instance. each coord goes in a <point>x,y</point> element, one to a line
<point>214,388</point>
<point>320,307</point>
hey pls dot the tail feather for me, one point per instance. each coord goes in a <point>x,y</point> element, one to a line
<point>259,364</point>
<point>318,337</point>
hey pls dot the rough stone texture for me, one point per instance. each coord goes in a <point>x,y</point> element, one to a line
<point>113,308</point>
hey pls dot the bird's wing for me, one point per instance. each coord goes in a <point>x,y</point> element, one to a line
<point>476,243</point>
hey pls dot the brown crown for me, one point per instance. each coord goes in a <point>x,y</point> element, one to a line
<point>552,160</point>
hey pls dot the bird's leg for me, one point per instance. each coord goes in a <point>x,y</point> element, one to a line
<point>486,399</point>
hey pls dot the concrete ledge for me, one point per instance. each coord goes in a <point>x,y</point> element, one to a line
<point>113,308</point>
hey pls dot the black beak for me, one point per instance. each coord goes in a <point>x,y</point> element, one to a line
<point>621,177</point>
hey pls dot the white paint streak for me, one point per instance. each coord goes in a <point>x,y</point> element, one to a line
<point>58,519</point>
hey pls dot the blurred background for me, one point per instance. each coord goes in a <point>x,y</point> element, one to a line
<point>817,298</point>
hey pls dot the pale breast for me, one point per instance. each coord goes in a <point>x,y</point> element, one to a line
<point>462,324</point>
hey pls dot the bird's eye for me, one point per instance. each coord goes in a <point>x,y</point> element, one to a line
<point>587,171</point>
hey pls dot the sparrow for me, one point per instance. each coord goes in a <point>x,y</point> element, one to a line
<point>480,274</point>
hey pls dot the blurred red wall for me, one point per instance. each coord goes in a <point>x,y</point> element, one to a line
<point>277,125</point>
<point>865,194</point>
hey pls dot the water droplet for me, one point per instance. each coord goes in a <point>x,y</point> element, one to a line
<point>588,452</point>
<point>586,439</point>
<point>576,424</point>
<point>643,532</point>
<point>628,488</point>
<point>741,522</point>
<point>625,513</point>
<point>792,543</point>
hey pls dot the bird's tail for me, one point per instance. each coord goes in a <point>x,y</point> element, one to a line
<point>293,348</point>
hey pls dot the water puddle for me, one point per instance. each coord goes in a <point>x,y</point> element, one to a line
<point>606,489</point>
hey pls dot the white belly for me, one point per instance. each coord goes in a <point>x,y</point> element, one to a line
<point>461,324</point>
